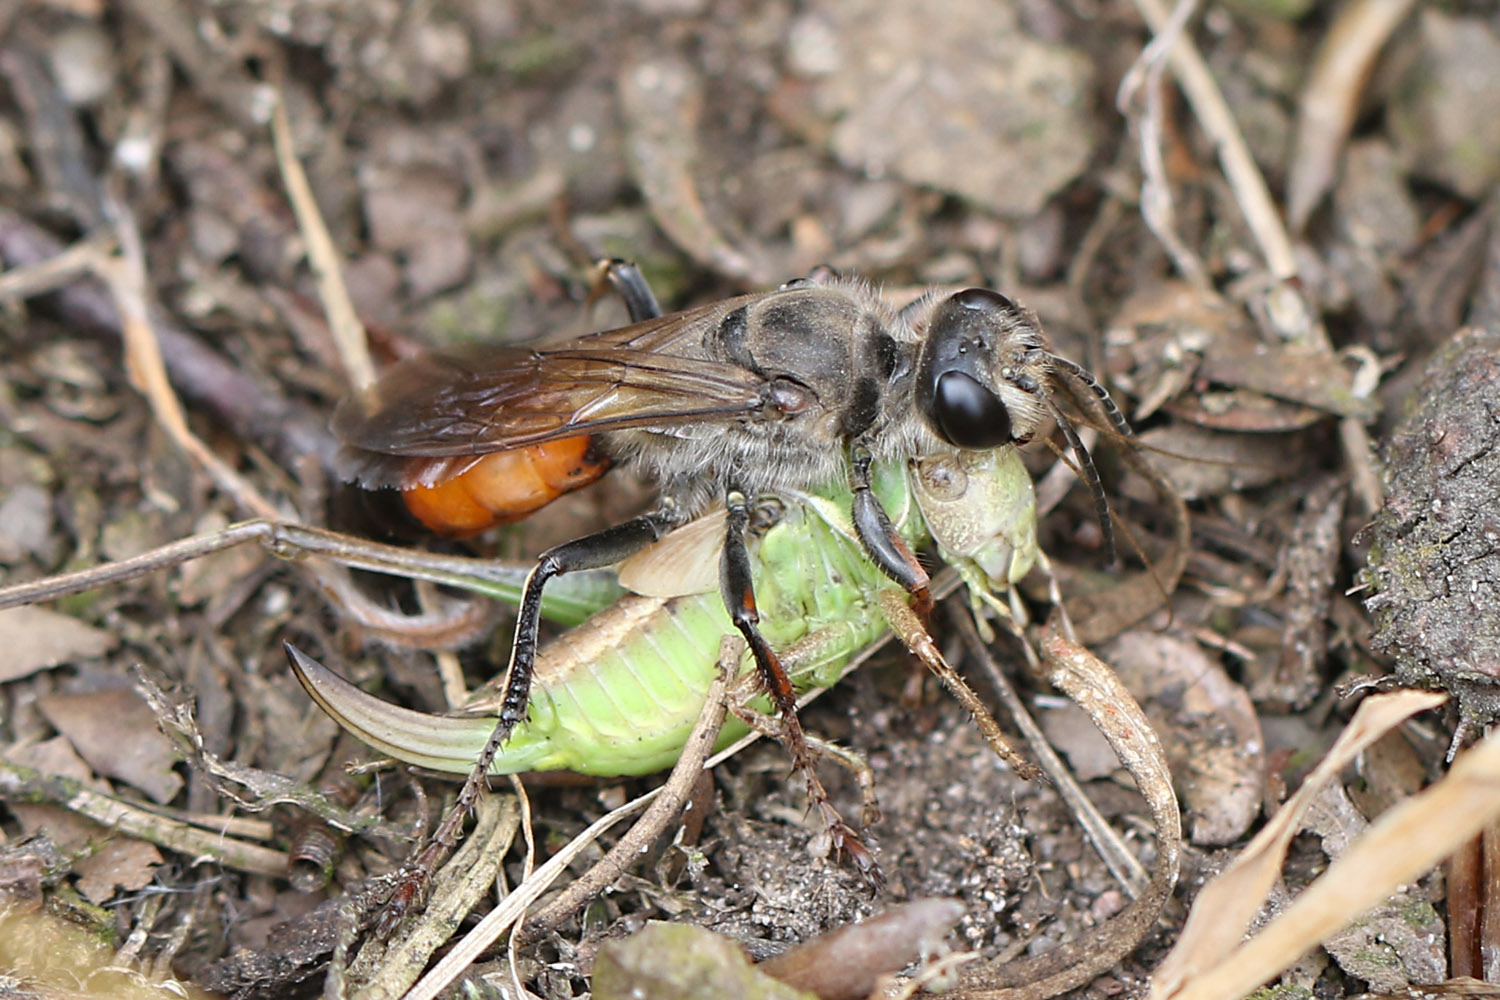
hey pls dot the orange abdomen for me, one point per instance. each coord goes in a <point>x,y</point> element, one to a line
<point>505,486</point>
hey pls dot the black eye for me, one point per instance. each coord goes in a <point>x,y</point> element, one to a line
<point>983,299</point>
<point>967,415</point>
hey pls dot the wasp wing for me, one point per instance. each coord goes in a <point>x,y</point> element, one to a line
<point>446,408</point>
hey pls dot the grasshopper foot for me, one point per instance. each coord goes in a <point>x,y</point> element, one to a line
<point>414,879</point>
<point>846,843</point>
<point>841,838</point>
<point>408,895</point>
<point>838,836</point>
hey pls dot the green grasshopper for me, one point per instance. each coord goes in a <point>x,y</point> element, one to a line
<point>619,694</point>
<point>954,348</point>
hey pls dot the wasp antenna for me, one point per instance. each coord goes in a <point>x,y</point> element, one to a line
<point>1090,475</point>
<point>1085,376</point>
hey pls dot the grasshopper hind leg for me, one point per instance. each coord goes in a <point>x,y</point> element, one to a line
<point>739,598</point>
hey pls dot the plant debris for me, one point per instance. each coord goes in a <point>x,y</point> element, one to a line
<point>1259,223</point>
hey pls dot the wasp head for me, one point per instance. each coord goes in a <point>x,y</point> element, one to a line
<point>981,371</point>
<point>985,376</point>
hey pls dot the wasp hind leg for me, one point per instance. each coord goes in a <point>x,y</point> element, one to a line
<point>739,598</point>
<point>603,548</point>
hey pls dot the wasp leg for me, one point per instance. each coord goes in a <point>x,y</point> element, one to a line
<point>821,274</point>
<point>739,599</point>
<point>880,540</point>
<point>634,291</point>
<point>603,548</point>
<point>850,760</point>
<point>799,659</point>
<point>891,553</point>
<point>630,285</point>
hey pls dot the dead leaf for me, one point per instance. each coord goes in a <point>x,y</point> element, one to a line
<point>1242,411</point>
<point>1200,966</point>
<point>1217,750</point>
<point>1402,941</point>
<point>38,639</point>
<point>679,961</point>
<point>1073,734</point>
<point>1291,372</point>
<point>662,102</point>
<point>121,863</point>
<point>54,958</point>
<point>66,829</point>
<point>1007,138</point>
<point>1200,463</point>
<point>116,733</point>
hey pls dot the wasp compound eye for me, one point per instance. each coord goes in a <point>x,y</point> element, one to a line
<point>968,415</point>
<point>984,299</point>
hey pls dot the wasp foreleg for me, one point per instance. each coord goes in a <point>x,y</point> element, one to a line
<point>880,539</point>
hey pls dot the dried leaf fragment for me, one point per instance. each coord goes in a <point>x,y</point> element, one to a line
<point>116,733</point>
<point>36,638</point>
<point>670,961</point>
